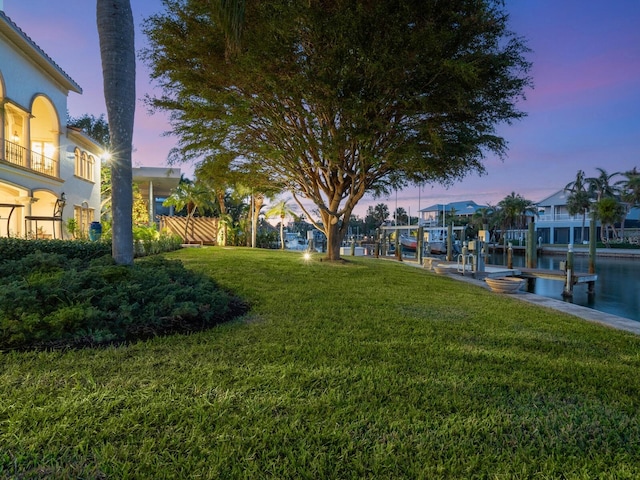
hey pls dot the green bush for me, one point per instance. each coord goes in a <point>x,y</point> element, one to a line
<point>148,241</point>
<point>12,248</point>
<point>50,300</point>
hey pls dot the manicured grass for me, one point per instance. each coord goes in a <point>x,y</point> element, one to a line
<point>367,369</point>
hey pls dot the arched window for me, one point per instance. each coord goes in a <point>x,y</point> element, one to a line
<point>85,164</point>
<point>90,167</point>
<point>78,166</point>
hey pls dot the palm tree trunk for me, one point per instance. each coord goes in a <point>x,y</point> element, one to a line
<point>282,233</point>
<point>223,211</point>
<point>117,51</point>
<point>258,202</point>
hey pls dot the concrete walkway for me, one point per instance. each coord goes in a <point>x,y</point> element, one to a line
<point>600,252</point>
<point>579,311</point>
<point>585,313</point>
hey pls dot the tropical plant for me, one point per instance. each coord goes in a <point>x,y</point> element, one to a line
<point>609,211</point>
<point>393,98</point>
<point>514,210</point>
<point>579,199</point>
<point>485,218</point>
<point>400,216</point>
<point>71,225</point>
<point>629,189</point>
<point>601,185</point>
<point>191,197</point>
<point>281,209</point>
<point>117,52</point>
<point>95,127</point>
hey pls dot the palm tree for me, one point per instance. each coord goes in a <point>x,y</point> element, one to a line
<point>629,193</point>
<point>484,218</point>
<point>578,185</point>
<point>117,51</point>
<point>282,210</point>
<point>609,211</point>
<point>601,185</point>
<point>192,196</point>
<point>579,200</point>
<point>400,216</point>
<point>631,187</point>
<point>380,213</point>
<point>515,210</point>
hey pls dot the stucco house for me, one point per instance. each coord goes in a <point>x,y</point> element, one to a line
<point>431,216</point>
<point>555,225</point>
<point>41,157</point>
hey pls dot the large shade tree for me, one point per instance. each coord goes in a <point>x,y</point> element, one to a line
<point>339,98</point>
<point>116,35</point>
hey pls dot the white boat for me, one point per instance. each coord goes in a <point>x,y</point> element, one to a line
<point>293,241</point>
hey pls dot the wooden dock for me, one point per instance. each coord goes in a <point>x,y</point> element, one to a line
<point>576,278</point>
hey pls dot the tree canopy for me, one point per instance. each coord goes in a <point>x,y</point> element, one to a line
<point>340,98</point>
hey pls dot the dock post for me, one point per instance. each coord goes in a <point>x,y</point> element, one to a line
<point>450,243</point>
<point>419,245</point>
<point>353,246</point>
<point>592,243</point>
<point>398,246</point>
<point>510,256</point>
<point>531,245</point>
<point>465,251</point>
<point>568,286</point>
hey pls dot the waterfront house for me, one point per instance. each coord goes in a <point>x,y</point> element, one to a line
<point>432,216</point>
<point>554,225</point>
<point>41,158</point>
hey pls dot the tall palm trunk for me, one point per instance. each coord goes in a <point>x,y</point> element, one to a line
<point>117,51</point>
<point>258,202</point>
<point>281,232</point>
<point>223,212</point>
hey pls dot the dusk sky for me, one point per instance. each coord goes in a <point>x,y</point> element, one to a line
<point>583,113</point>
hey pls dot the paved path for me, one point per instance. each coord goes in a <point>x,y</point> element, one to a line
<point>600,252</point>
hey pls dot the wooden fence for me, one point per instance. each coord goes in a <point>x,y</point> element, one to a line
<point>202,230</point>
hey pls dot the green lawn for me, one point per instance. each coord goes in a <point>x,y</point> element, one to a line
<point>367,369</point>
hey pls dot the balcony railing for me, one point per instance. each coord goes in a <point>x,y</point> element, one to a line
<point>559,217</point>
<point>22,157</point>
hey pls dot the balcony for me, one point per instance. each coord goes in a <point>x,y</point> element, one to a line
<point>559,217</point>
<point>30,160</point>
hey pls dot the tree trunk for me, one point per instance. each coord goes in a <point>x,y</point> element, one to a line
<point>117,51</point>
<point>258,202</point>
<point>334,240</point>
<point>223,211</point>
<point>281,233</point>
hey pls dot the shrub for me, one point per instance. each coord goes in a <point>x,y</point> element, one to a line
<point>19,247</point>
<point>148,241</point>
<point>50,300</point>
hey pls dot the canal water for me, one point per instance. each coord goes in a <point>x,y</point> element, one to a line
<point>617,290</point>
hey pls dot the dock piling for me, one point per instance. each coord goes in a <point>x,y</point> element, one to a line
<point>568,286</point>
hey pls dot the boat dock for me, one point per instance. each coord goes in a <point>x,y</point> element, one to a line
<point>576,278</point>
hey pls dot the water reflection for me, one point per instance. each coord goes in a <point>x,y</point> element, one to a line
<point>617,290</point>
